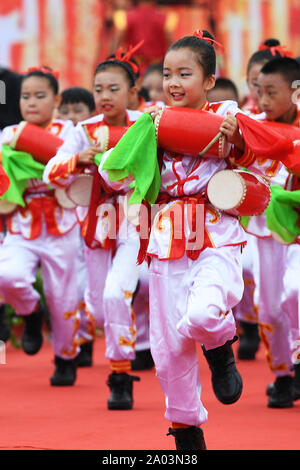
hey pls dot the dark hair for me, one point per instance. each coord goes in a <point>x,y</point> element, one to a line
<point>226,84</point>
<point>264,55</point>
<point>203,50</point>
<point>112,62</point>
<point>78,95</point>
<point>10,110</point>
<point>154,68</point>
<point>44,74</point>
<point>288,68</point>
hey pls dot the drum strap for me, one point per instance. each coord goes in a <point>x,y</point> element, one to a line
<point>92,216</point>
<point>210,144</point>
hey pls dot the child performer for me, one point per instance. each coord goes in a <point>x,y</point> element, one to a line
<point>191,298</point>
<point>78,104</point>
<point>193,285</point>
<point>246,312</point>
<point>275,93</point>
<point>111,260</point>
<point>224,89</point>
<point>153,82</point>
<point>42,233</point>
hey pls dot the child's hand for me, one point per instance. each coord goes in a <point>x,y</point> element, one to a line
<point>86,157</point>
<point>154,111</point>
<point>230,128</point>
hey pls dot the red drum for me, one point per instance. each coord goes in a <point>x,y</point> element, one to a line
<point>238,192</point>
<point>79,192</point>
<point>63,200</point>
<point>36,141</point>
<point>191,132</point>
<point>109,136</point>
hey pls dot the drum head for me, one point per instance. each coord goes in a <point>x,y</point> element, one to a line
<point>7,207</point>
<point>131,211</point>
<point>63,199</point>
<point>226,190</point>
<point>80,190</point>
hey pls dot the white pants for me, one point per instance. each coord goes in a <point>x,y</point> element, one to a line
<point>290,300</point>
<point>191,301</point>
<point>19,261</point>
<point>247,309</point>
<point>141,309</point>
<point>274,324</point>
<point>111,284</point>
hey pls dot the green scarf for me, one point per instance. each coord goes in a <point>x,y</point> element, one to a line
<point>136,155</point>
<point>20,167</point>
<point>281,214</point>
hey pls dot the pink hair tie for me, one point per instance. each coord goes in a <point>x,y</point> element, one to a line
<point>217,45</point>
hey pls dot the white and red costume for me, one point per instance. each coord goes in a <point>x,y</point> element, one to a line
<point>43,233</point>
<point>192,293</point>
<point>275,326</point>
<point>112,273</point>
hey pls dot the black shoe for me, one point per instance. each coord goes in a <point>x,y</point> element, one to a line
<point>143,360</point>
<point>65,372</point>
<point>296,383</point>
<point>269,389</point>
<point>32,338</point>
<point>85,357</point>
<point>121,386</point>
<point>281,394</point>
<point>249,341</point>
<point>226,380</point>
<point>4,326</point>
<point>191,438</point>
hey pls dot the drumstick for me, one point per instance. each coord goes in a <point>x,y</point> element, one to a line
<point>210,144</point>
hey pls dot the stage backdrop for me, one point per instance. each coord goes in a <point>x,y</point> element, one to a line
<point>73,35</point>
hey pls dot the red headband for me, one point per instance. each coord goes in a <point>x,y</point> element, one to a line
<point>44,70</point>
<point>218,46</point>
<point>273,49</point>
<point>126,57</point>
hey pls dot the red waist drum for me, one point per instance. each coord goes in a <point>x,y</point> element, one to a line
<point>36,141</point>
<point>189,131</point>
<point>238,192</point>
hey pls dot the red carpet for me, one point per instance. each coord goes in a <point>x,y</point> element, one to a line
<point>34,415</point>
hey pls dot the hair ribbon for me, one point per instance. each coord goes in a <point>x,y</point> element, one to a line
<point>127,56</point>
<point>273,49</point>
<point>44,70</point>
<point>219,48</point>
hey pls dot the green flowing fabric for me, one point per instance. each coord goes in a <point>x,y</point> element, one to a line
<point>281,214</point>
<point>136,155</point>
<point>20,167</point>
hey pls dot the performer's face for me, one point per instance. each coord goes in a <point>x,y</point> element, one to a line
<point>184,82</point>
<point>112,94</point>
<point>275,97</point>
<point>252,78</point>
<point>75,112</point>
<point>38,101</point>
<point>153,82</point>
